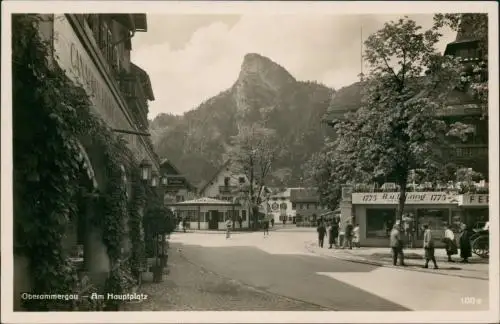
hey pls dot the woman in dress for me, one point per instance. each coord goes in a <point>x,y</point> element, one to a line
<point>465,246</point>
<point>449,240</point>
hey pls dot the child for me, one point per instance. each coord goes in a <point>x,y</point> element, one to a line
<point>355,237</point>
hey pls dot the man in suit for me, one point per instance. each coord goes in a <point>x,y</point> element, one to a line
<point>396,244</point>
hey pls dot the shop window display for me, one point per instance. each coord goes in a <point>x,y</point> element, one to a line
<point>437,219</point>
<point>379,222</point>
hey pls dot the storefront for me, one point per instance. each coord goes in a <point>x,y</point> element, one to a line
<point>376,214</point>
<point>474,209</point>
<point>210,214</point>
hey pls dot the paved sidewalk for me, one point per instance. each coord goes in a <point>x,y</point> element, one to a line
<point>190,287</point>
<point>414,258</point>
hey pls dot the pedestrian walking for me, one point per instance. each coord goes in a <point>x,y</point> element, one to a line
<point>265,225</point>
<point>429,247</point>
<point>396,244</point>
<point>240,221</point>
<point>272,222</point>
<point>449,240</point>
<point>355,236</point>
<point>184,224</point>
<point>465,246</point>
<point>341,236</point>
<point>333,232</point>
<point>229,224</point>
<point>321,234</point>
<point>348,235</point>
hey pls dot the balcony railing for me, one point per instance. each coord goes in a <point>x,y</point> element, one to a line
<point>470,150</point>
<point>459,187</point>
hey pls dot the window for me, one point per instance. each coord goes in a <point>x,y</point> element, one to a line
<point>241,179</point>
<point>307,206</point>
<point>294,206</point>
<point>435,218</point>
<point>244,215</point>
<point>178,198</point>
<point>379,222</point>
<point>226,181</point>
<point>103,39</point>
<point>93,23</point>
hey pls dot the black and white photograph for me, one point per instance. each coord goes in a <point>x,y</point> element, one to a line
<point>260,161</point>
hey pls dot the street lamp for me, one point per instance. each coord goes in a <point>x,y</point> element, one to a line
<point>124,173</point>
<point>146,167</point>
<point>164,181</point>
<point>154,179</point>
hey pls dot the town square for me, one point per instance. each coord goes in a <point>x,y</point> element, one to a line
<point>234,161</point>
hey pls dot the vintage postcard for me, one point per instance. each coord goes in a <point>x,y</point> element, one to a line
<point>240,162</point>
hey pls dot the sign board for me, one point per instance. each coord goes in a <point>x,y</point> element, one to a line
<point>175,181</point>
<point>346,193</point>
<point>474,200</point>
<point>392,198</point>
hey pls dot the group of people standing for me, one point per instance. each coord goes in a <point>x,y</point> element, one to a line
<point>346,237</point>
<point>396,244</point>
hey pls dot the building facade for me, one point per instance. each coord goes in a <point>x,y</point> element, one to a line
<point>375,212</point>
<point>280,207</point>
<point>210,214</point>
<point>228,185</point>
<point>175,185</point>
<point>307,206</point>
<point>94,51</point>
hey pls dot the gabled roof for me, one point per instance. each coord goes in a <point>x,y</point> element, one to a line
<point>348,99</point>
<point>223,166</point>
<point>167,165</point>
<point>141,23</point>
<point>171,169</point>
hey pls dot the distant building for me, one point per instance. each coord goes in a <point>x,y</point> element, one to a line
<point>281,208</point>
<point>209,214</point>
<point>175,185</point>
<point>228,185</point>
<point>307,206</point>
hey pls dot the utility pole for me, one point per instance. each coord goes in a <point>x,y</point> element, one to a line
<point>361,75</point>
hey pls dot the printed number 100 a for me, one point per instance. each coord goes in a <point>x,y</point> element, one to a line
<point>471,301</point>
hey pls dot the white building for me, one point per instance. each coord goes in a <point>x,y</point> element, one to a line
<point>228,185</point>
<point>280,207</point>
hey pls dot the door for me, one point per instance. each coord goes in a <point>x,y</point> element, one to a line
<point>213,219</point>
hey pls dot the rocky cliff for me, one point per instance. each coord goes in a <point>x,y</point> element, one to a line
<point>264,90</point>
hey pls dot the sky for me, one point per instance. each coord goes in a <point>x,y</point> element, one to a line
<point>192,57</point>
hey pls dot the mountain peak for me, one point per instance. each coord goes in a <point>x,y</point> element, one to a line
<point>256,65</point>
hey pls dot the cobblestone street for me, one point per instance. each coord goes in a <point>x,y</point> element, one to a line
<point>189,287</point>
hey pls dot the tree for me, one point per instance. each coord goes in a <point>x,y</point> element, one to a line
<point>252,153</point>
<point>397,128</point>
